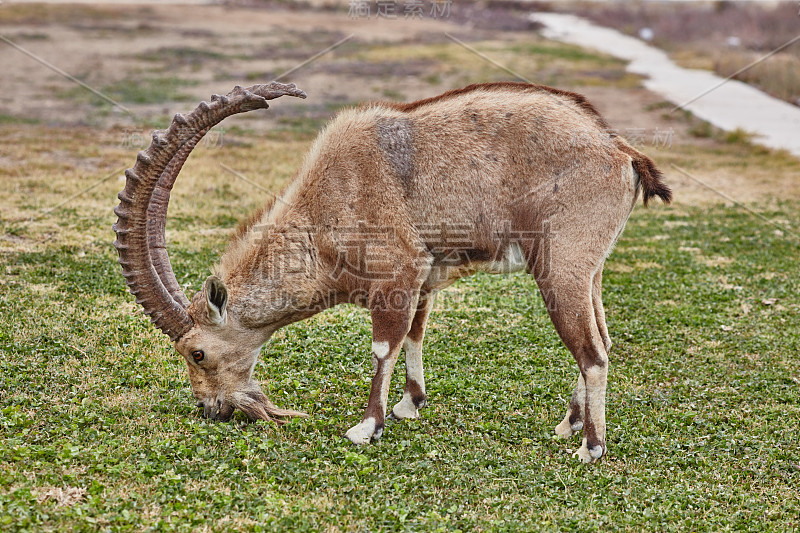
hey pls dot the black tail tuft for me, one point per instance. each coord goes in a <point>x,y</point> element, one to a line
<point>649,176</point>
<point>651,179</point>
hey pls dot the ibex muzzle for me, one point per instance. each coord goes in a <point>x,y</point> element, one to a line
<point>393,203</point>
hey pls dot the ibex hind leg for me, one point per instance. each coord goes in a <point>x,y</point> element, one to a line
<point>599,310</point>
<point>573,420</point>
<point>414,397</point>
<point>569,302</point>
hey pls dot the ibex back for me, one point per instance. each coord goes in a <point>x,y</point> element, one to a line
<point>393,203</point>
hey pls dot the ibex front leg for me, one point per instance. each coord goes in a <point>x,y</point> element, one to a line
<point>414,397</point>
<point>391,320</point>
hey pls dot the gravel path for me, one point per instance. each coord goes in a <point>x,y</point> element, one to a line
<point>729,106</point>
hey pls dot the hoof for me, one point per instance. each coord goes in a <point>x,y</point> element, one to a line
<point>364,432</point>
<point>590,455</point>
<point>405,408</point>
<point>566,430</point>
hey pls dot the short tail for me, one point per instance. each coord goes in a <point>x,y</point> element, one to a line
<point>649,176</point>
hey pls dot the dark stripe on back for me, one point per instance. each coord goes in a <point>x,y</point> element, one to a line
<point>579,99</point>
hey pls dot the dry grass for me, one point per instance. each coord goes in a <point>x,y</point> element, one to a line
<point>44,14</point>
<point>63,496</point>
<point>46,166</point>
<point>779,76</point>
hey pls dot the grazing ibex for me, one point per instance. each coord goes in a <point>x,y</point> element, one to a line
<point>393,203</point>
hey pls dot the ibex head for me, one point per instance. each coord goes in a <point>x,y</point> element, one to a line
<point>220,355</point>
<point>220,352</point>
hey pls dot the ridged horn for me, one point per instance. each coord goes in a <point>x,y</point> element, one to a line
<point>142,210</point>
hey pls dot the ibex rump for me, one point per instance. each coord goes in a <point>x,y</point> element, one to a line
<point>393,203</point>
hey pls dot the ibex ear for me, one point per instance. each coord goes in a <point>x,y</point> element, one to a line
<point>216,299</point>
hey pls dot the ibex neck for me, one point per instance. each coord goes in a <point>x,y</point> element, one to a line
<point>272,272</point>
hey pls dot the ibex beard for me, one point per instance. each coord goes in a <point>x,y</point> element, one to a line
<point>393,203</point>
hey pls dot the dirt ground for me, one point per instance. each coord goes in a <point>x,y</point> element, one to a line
<point>103,45</point>
<point>156,60</point>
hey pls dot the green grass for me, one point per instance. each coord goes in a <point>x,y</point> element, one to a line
<point>181,55</point>
<point>542,61</point>
<point>12,119</point>
<point>140,90</point>
<point>702,402</point>
<point>564,51</point>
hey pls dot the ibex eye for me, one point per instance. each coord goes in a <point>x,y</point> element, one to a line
<point>198,355</point>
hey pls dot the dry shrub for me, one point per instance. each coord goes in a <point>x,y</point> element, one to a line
<point>779,75</point>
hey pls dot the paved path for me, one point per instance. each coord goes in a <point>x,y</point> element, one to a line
<point>730,106</point>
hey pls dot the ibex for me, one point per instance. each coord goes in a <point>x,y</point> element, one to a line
<point>393,203</point>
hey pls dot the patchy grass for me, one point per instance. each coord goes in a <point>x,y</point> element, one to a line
<point>11,119</point>
<point>540,60</point>
<point>139,90</point>
<point>99,430</point>
<point>44,14</point>
<point>179,56</point>
<point>142,79</point>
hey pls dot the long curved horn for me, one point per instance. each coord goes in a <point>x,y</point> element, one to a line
<point>142,210</point>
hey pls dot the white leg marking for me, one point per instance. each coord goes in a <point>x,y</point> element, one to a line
<point>596,398</point>
<point>386,379</point>
<point>414,361</point>
<point>362,432</point>
<point>380,349</point>
<point>596,405</point>
<point>565,429</point>
<point>405,408</point>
